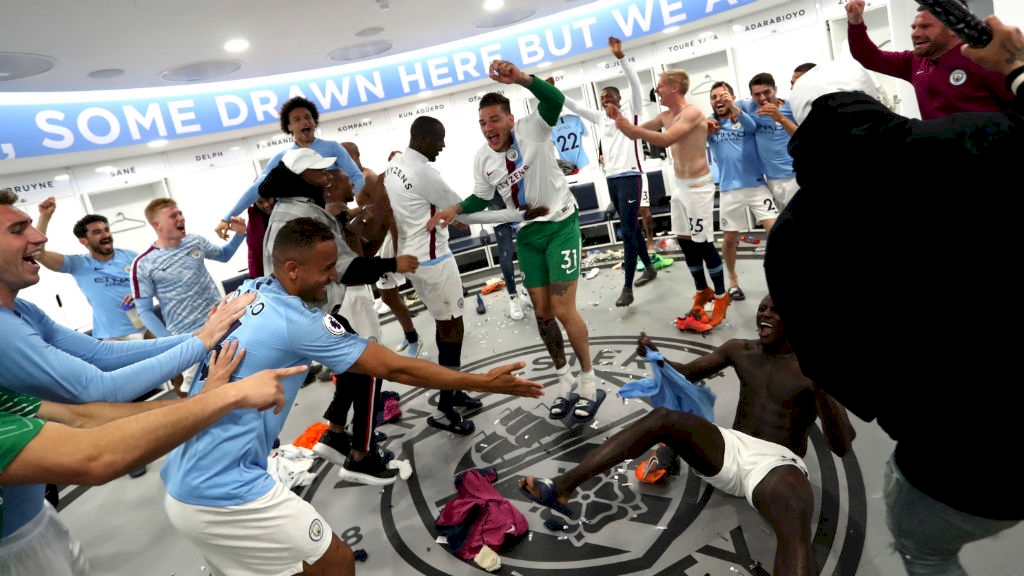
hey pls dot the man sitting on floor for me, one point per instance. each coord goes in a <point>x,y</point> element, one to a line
<point>759,458</point>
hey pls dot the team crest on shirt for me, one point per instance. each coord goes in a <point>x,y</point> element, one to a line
<point>957,77</point>
<point>512,154</point>
<point>316,530</point>
<point>333,326</point>
<point>127,268</point>
<point>195,253</point>
<point>461,303</point>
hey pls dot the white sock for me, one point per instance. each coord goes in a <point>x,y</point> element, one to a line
<point>565,381</point>
<point>588,386</point>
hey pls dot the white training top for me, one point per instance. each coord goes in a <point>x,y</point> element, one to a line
<point>417,191</point>
<point>526,173</point>
<point>622,156</point>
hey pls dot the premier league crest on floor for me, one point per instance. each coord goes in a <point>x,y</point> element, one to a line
<point>619,525</point>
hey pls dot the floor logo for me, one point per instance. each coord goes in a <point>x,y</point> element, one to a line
<point>621,526</point>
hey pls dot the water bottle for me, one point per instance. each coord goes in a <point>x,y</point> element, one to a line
<point>133,314</point>
<point>750,239</point>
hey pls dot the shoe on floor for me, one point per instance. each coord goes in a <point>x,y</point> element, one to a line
<point>659,261</point>
<point>325,375</point>
<point>515,310</point>
<point>690,323</point>
<point>700,315</point>
<point>403,345</point>
<point>718,312</point>
<point>333,447</point>
<point>625,299</point>
<point>480,308</point>
<point>372,469</point>
<point>647,276</point>
<point>379,437</point>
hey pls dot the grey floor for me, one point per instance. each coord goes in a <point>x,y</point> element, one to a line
<point>681,528</point>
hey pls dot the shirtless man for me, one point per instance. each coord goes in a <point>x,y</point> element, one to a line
<point>693,206</point>
<point>759,458</point>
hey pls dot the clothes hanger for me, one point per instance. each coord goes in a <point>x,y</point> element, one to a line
<point>706,82</point>
<point>120,218</point>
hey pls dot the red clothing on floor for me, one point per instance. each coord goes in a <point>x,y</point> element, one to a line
<point>479,516</point>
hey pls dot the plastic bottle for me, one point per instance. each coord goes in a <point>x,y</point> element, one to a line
<point>750,239</point>
<point>133,314</point>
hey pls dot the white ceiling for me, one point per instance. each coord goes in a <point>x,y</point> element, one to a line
<point>145,38</point>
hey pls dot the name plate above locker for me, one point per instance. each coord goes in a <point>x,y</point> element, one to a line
<point>467,104</point>
<point>435,107</point>
<point>695,43</point>
<point>261,148</point>
<point>120,174</point>
<point>607,66</point>
<point>205,157</point>
<point>781,18</point>
<point>33,188</point>
<point>344,129</point>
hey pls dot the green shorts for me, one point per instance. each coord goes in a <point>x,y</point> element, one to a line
<point>549,252</point>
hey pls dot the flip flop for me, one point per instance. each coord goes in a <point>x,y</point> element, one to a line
<point>589,406</point>
<point>548,496</point>
<point>736,294</point>
<point>463,426</point>
<point>564,404</point>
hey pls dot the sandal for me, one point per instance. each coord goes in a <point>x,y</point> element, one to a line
<point>736,294</point>
<point>561,406</point>
<point>589,407</point>
<point>548,497</point>
<point>457,425</point>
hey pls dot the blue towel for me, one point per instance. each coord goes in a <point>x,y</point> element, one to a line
<point>670,389</point>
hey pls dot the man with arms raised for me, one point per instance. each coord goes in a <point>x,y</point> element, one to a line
<point>220,496</point>
<point>759,458</point>
<point>517,161</point>
<point>693,203</point>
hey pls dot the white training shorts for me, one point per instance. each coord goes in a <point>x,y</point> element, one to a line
<point>693,208</point>
<point>42,546</point>
<point>732,216</point>
<point>270,536</point>
<point>389,280</point>
<point>783,190</point>
<point>747,461</point>
<point>439,286</point>
<point>188,376</point>
<point>357,308</point>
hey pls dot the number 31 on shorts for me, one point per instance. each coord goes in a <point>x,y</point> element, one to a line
<point>570,259</point>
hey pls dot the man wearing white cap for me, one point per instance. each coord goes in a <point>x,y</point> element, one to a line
<point>851,151</point>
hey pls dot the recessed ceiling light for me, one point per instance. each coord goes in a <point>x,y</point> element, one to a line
<point>15,65</point>
<point>670,30</point>
<point>371,31</point>
<point>61,177</point>
<point>157,143</point>
<point>105,73</point>
<point>544,65</point>
<point>104,169</point>
<point>492,5</point>
<point>200,71</point>
<point>504,18</point>
<point>236,45</point>
<point>361,51</point>
<point>235,148</point>
<point>425,93</point>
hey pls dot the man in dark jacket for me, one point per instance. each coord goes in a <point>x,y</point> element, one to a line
<point>951,418</point>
